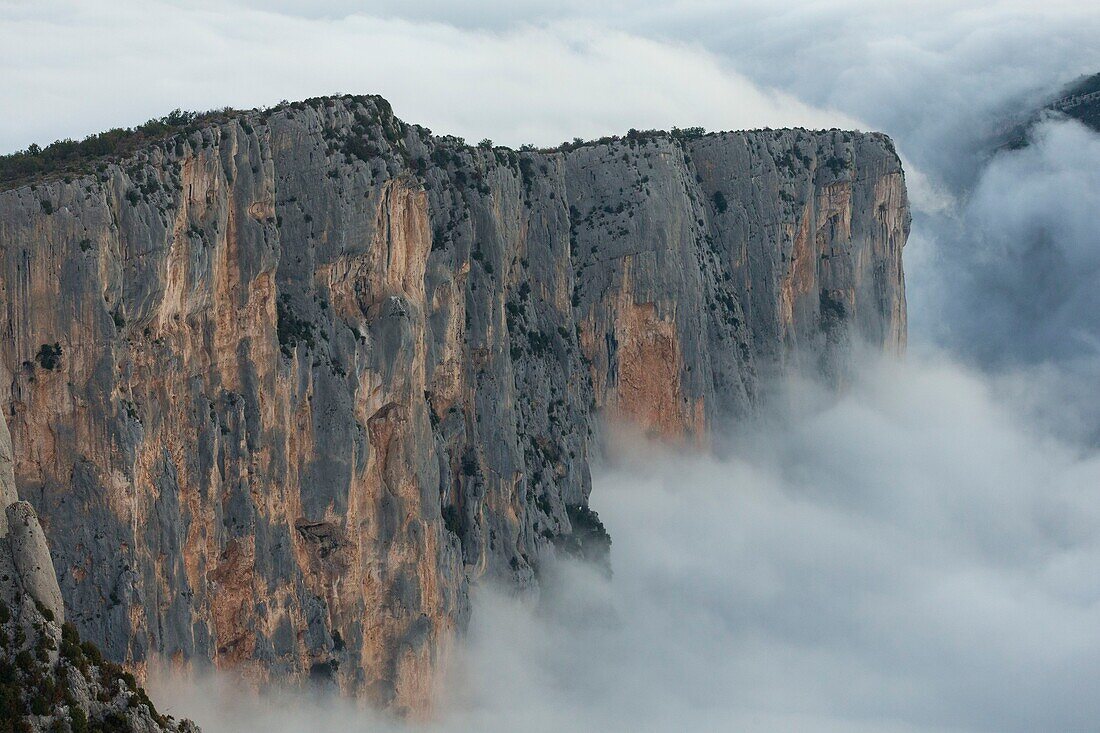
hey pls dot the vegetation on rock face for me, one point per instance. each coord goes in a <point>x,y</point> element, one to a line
<point>589,539</point>
<point>49,356</point>
<point>1079,100</point>
<point>720,203</point>
<point>78,157</point>
<point>50,680</point>
<point>836,164</point>
<point>452,520</point>
<point>68,158</point>
<point>292,330</point>
<point>1082,101</point>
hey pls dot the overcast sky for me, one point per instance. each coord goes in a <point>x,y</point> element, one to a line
<point>532,72</point>
<point>917,555</point>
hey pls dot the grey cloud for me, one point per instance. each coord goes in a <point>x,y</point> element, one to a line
<point>1031,249</point>
<point>909,557</point>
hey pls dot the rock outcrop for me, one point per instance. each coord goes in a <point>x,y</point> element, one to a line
<point>31,561</point>
<point>282,386</point>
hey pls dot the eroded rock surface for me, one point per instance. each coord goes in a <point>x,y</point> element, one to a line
<point>282,387</point>
<point>49,679</point>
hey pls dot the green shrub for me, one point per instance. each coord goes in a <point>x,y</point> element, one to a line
<point>46,613</point>
<point>291,329</point>
<point>69,633</point>
<point>91,651</point>
<point>720,203</point>
<point>40,705</point>
<point>49,356</point>
<point>452,520</point>
<point>24,660</point>
<point>836,164</point>
<point>78,720</point>
<point>470,465</point>
<point>71,157</point>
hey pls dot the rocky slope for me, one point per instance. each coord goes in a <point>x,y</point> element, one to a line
<point>283,385</point>
<point>1078,100</point>
<point>49,680</point>
<point>1081,101</point>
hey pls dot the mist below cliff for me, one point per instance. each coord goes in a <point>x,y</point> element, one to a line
<point>910,557</point>
<point>914,555</point>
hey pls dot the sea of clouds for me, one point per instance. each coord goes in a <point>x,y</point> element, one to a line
<point>915,553</point>
<point>913,556</point>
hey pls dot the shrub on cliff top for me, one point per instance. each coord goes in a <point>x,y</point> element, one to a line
<point>77,157</point>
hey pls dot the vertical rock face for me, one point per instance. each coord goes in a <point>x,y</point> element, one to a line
<point>281,387</point>
<point>31,559</point>
<point>26,569</point>
<point>49,681</point>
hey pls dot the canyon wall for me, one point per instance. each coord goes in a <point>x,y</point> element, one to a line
<point>281,387</point>
<point>50,680</point>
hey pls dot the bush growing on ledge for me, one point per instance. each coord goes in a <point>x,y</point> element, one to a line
<point>470,466</point>
<point>49,356</point>
<point>836,164</point>
<point>720,203</point>
<point>687,133</point>
<point>291,329</point>
<point>452,520</point>
<point>589,539</point>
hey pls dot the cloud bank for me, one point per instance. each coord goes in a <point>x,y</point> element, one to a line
<point>75,68</point>
<point>910,557</point>
<point>1032,251</point>
<point>913,556</point>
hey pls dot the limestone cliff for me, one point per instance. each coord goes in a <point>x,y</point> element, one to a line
<point>282,385</point>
